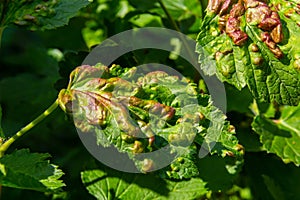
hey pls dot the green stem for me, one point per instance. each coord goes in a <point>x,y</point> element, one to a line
<point>29,126</point>
<point>170,18</point>
<point>172,21</point>
<point>175,26</point>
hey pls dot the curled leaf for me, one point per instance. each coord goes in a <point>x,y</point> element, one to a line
<point>140,114</point>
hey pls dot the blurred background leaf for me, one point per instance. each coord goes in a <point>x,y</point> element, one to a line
<point>39,15</point>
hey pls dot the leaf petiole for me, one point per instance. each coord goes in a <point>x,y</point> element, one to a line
<point>29,126</point>
<point>169,15</point>
<point>175,26</point>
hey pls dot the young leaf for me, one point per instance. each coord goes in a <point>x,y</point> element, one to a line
<point>281,136</point>
<point>253,44</point>
<point>31,171</point>
<point>110,184</point>
<point>39,15</point>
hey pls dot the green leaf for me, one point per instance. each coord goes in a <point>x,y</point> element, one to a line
<point>110,184</point>
<point>141,113</point>
<point>281,136</point>
<point>144,20</point>
<point>242,57</point>
<point>181,9</point>
<point>32,171</point>
<point>39,15</point>
<point>186,13</point>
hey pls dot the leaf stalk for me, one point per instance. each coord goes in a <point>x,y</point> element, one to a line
<point>29,126</point>
<point>190,52</point>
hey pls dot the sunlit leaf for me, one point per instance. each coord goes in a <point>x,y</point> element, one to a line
<point>254,45</point>
<point>109,184</point>
<point>32,171</point>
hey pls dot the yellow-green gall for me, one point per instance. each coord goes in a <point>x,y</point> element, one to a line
<point>138,147</point>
